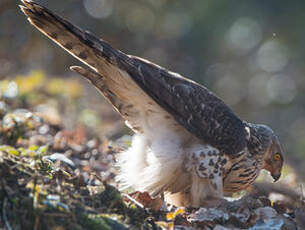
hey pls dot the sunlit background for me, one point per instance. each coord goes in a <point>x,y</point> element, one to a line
<point>250,53</point>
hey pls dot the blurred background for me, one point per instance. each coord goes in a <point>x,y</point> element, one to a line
<point>250,53</point>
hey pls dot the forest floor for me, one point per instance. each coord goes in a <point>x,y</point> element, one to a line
<point>57,176</point>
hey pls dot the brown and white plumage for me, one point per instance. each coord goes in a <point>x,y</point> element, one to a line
<point>188,143</point>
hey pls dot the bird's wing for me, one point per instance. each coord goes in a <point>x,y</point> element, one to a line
<point>194,106</point>
<point>149,87</point>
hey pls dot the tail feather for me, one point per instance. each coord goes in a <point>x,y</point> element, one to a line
<point>107,65</point>
<point>95,78</point>
<point>131,84</point>
<point>82,44</point>
<point>99,82</point>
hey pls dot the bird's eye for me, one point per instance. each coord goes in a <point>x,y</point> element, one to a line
<point>277,156</point>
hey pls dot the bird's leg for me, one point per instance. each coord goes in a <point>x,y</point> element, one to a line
<point>205,168</point>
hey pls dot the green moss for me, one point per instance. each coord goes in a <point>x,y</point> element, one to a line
<point>9,149</point>
<point>111,197</point>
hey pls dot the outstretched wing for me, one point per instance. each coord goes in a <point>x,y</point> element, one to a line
<point>130,78</point>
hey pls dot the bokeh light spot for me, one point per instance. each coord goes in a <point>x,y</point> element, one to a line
<point>11,91</point>
<point>230,89</point>
<point>176,24</point>
<point>258,94</point>
<point>281,89</point>
<point>99,8</point>
<point>243,35</point>
<point>272,56</point>
<point>140,19</point>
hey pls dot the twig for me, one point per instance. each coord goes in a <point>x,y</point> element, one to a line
<point>35,198</point>
<point>98,177</point>
<point>134,201</point>
<point>36,225</point>
<point>4,217</point>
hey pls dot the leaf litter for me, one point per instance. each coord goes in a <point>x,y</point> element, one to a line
<point>52,177</point>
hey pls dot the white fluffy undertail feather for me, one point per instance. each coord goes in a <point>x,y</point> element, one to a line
<point>152,167</point>
<point>132,161</point>
<point>187,175</point>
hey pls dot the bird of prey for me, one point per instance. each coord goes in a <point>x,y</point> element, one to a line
<point>188,144</point>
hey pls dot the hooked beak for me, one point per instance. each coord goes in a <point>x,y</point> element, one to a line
<point>276,177</point>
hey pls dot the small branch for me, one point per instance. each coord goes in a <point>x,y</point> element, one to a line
<point>134,201</point>
<point>4,217</point>
<point>36,225</point>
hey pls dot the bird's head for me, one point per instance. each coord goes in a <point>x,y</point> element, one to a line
<point>265,142</point>
<point>273,160</point>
